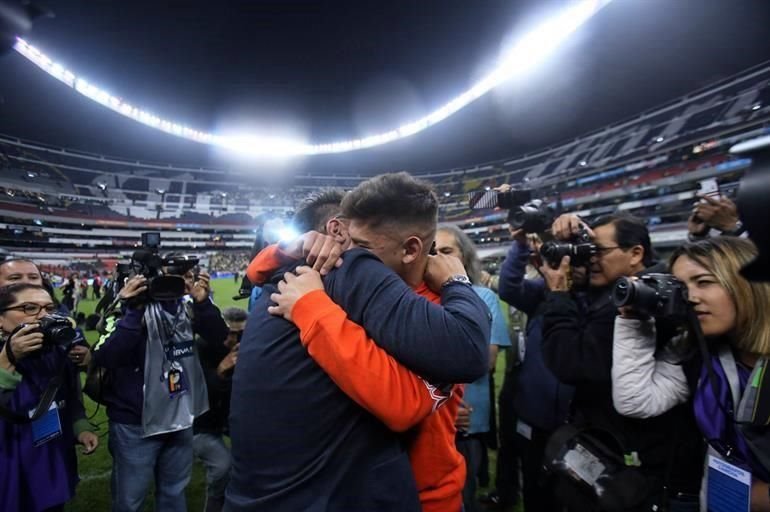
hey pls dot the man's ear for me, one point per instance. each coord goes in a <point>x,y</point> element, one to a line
<point>637,255</point>
<point>337,229</point>
<point>412,249</point>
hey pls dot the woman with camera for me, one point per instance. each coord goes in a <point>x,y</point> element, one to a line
<point>38,463</point>
<point>732,314</point>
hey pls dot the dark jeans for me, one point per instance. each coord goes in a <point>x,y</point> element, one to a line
<point>137,460</point>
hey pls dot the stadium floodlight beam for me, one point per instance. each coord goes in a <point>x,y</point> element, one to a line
<point>531,50</point>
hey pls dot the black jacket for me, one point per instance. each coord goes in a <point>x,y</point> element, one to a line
<point>214,421</point>
<point>577,347</point>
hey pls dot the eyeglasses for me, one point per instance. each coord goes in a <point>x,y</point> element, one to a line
<point>601,251</point>
<point>32,309</point>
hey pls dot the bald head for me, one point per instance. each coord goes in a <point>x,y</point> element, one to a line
<point>19,271</point>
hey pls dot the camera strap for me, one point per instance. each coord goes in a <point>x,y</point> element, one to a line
<point>42,406</point>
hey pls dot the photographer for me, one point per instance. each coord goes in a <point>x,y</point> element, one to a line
<point>156,387</point>
<point>19,270</point>
<point>37,458</point>
<point>577,347</point>
<point>540,401</point>
<point>732,315</point>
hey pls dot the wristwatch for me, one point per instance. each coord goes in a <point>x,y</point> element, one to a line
<point>738,230</point>
<point>457,278</point>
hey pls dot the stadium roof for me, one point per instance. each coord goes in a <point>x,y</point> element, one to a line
<point>340,70</point>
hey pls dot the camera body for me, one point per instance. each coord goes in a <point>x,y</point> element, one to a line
<point>580,249</point>
<point>656,295</point>
<point>148,262</point>
<point>532,217</point>
<point>524,212</point>
<point>57,331</point>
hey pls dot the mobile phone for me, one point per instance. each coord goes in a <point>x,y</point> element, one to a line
<point>709,187</point>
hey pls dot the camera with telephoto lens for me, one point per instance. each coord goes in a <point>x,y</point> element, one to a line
<point>532,217</point>
<point>580,248</point>
<point>524,212</point>
<point>656,295</point>
<point>147,261</point>
<point>57,330</point>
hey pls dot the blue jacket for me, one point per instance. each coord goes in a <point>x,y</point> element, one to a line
<point>540,400</point>
<point>300,443</point>
<point>121,350</point>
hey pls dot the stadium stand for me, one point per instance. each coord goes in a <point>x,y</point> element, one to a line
<point>56,201</point>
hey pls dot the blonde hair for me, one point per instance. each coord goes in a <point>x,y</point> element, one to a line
<point>724,257</point>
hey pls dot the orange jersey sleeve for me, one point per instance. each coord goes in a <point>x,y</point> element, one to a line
<point>363,370</point>
<point>269,259</point>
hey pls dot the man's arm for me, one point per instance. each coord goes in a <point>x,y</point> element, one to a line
<point>446,343</point>
<point>361,369</point>
<point>120,344</point>
<point>499,334</point>
<point>208,322</point>
<point>267,261</point>
<point>573,350</point>
<point>523,294</point>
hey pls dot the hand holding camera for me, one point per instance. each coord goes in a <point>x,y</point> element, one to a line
<point>568,226</point>
<point>134,287</point>
<point>201,288</point>
<point>25,341</point>
<point>577,243</point>
<point>558,279</point>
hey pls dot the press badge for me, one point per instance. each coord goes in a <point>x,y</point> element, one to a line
<point>176,381</point>
<point>729,487</point>
<point>46,427</point>
<point>524,430</point>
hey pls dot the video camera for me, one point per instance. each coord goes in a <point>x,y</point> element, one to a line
<point>580,249</point>
<point>148,262</point>
<point>524,212</point>
<point>656,295</point>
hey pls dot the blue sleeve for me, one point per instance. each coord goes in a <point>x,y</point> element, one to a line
<point>523,294</point>
<point>123,342</point>
<point>445,344</point>
<point>255,293</point>
<point>499,329</point>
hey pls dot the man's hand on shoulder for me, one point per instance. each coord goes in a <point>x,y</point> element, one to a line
<point>440,268</point>
<point>322,252</point>
<point>292,288</point>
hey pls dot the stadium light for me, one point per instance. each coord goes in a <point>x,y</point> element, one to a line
<point>530,51</point>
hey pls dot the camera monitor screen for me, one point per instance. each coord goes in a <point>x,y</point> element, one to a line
<point>151,239</point>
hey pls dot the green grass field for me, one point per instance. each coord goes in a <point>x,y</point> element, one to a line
<point>93,493</point>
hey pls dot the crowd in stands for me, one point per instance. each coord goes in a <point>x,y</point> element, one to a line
<point>234,262</point>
